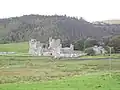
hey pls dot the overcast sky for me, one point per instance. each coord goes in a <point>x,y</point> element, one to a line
<point>91,10</point>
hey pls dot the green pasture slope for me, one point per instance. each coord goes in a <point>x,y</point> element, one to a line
<point>14,47</point>
<point>45,73</point>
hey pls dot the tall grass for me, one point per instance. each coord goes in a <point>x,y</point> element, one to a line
<point>17,69</point>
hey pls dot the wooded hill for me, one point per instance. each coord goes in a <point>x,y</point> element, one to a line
<point>41,27</point>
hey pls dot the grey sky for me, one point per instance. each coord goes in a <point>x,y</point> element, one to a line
<point>91,10</point>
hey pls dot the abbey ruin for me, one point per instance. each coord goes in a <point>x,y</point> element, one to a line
<point>54,48</point>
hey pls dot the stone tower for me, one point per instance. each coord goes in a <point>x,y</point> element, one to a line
<point>54,43</point>
<point>32,46</point>
<point>72,47</point>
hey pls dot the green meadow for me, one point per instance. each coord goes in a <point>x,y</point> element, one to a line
<point>14,47</point>
<point>24,72</point>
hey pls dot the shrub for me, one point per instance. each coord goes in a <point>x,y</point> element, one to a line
<point>108,50</point>
<point>90,51</point>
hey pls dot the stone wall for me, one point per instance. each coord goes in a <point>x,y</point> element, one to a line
<point>55,49</point>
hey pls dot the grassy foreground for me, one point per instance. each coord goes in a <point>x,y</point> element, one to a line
<point>24,72</point>
<point>90,82</point>
<point>45,73</point>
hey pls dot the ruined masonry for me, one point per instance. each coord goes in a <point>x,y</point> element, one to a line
<point>54,48</point>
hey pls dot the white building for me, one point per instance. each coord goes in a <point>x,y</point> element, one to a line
<point>99,50</point>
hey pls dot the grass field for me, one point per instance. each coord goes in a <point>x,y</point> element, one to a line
<point>14,47</point>
<point>102,56</point>
<point>24,72</point>
<point>45,73</point>
<point>96,82</point>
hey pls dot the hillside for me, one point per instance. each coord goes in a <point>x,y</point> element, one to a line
<point>112,21</point>
<point>41,27</point>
